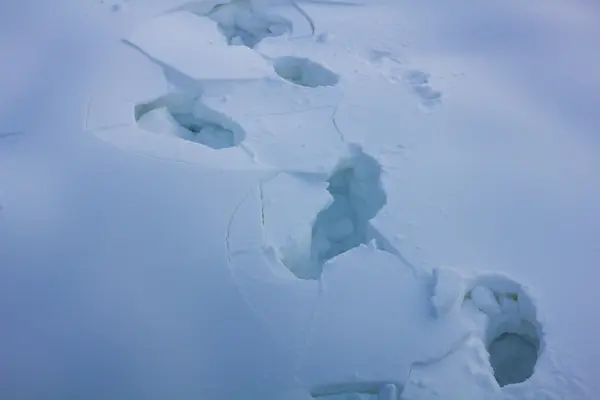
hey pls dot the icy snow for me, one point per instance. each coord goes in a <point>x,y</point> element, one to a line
<point>483,298</point>
<point>305,200</point>
<point>448,290</point>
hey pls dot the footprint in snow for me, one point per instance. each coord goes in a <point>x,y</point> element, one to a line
<point>419,81</point>
<point>187,118</point>
<point>304,72</point>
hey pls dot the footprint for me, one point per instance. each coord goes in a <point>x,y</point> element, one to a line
<point>419,81</point>
<point>304,72</point>
<point>241,23</point>
<point>356,196</point>
<point>186,117</point>
<point>513,334</point>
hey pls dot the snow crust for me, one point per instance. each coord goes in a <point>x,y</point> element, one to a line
<point>177,48</point>
<point>302,200</point>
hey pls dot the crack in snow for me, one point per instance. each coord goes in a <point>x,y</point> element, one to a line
<point>230,223</point>
<point>262,205</point>
<point>308,18</point>
<point>4,135</point>
<point>239,205</point>
<point>334,121</point>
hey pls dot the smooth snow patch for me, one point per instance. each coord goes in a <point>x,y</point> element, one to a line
<point>304,72</point>
<point>513,335</point>
<point>175,41</point>
<point>288,226</point>
<point>190,120</point>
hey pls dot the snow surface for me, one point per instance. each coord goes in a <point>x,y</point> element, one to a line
<point>266,199</point>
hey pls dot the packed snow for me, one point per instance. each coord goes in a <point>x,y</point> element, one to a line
<point>296,200</point>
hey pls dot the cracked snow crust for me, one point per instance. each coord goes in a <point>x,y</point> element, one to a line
<point>303,238</point>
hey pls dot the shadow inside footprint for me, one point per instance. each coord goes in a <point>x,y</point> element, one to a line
<point>305,72</point>
<point>187,118</point>
<point>513,335</point>
<point>357,198</point>
<point>241,23</point>
<point>513,357</point>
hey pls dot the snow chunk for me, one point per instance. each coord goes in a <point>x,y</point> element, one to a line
<point>388,392</point>
<point>177,39</point>
<point>484,299</point>
<point>449,287</point>
<point>305,72</point>
<point>463,374</point>
<point>373,323</point>
<point>161,31</point>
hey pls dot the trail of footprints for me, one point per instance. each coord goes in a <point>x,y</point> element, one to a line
<point>512,335</point>
<point>395,70</point>
<point>241,25</point>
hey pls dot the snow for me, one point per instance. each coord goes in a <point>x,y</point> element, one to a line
<point>290,232</point>
<point>189,119</point>
<point>304,72</point>
<point>483,298</point>
<point>299,200</point>
<point>183,35</point>
<point>448,289</point>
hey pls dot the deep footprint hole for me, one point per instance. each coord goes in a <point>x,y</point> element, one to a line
<point>305,72</point>
<point>188,119</point>
<point>514,338</point>
<point>241,23</point>
<point>513,357</point>
<point>358,196</point>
